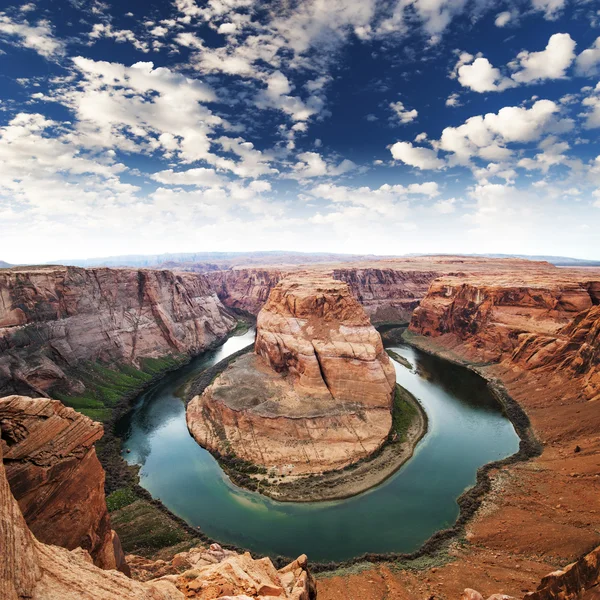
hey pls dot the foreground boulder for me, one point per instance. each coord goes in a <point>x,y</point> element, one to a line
<point>54,474</point>
<point>216,573</point>
<point>316,394</point>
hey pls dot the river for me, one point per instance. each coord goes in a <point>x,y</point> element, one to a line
<point>466,430</point>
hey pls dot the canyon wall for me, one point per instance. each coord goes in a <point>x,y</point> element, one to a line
<point>51,318</point>
<point>387,294</point>
<point>488,315</point>
<point>55,476</point>
<point>317,393</point>
<point>246,290</point>
<point>389,290</point>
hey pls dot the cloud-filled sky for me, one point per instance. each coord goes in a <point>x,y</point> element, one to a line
<point>360,126</point>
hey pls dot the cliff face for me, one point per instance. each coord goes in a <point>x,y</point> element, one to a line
<point>55,476</point>
<point>53,318</point>
<point>317,393</point>
<point>487,315</point>
<point>32,570</point>
<point>387,294</point>
<point>574,351</point>
<point>245,289</point>
<point>315,331</point>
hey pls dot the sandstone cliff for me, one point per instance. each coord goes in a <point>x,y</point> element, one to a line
<point>52,318</point>
<point>316,395</point>
<point>32,570</point>
<point>55,476</point>
<point>246,290</point>
<point>389,290</point>
<point>487,314</point>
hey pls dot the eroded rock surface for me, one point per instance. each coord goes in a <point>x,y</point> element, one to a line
<point>55,476</point>
<point>51,318</point>
<point>317,393</point>
<point>33,570</point>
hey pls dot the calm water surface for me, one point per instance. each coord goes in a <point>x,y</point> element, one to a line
<point>466,430</point>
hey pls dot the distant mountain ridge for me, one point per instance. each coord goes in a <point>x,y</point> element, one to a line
<point>214,261</point>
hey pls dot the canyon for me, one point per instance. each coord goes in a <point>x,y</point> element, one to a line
<point>315,395</point>
<point>531,329</point>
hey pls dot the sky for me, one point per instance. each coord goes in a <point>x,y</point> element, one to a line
<point>359,126</point>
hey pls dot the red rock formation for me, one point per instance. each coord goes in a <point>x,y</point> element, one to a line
<point>246,290</point>
<point>317,394</point>
<point>51,318</point>
<point>387,294</point>
<point>32,570</point>
<point>577,581</point>
<point>54,474</point>
<point>488,313</point>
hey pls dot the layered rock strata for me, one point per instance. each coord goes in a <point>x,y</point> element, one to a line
<point>55,476</point>
<point>32,570</point>
<point>52,318</point>
<point>316,394</point>
<point>488,314</point>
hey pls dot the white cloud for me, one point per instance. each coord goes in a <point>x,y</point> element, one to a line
<point>402,114</point>
<point>592,103</point>
<point>552,154</point>
<point>550,63</point>
<point>37,37</point>
<point>415,156</point>
<point>550,8</point>
<point>312,164</point>
<point>199,177</point>
<point>445,207</point>
<point>100,30</point>
<point>503,18</point>
<point>481,76</point>
<point>453,100</point>
<point>226,28</point>
<point>588,62</point>
<point>486,136</point>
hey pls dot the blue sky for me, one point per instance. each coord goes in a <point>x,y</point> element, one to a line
<point>371,126</point>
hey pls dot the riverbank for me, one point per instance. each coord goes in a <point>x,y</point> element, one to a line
<point>433,552</point>
<point>409,425</point>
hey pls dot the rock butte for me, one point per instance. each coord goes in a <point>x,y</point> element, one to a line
<point>32,570</point>
<point>54,474</point>
<point>316,394</point>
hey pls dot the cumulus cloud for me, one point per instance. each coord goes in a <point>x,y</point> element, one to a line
<point>588,62</point>
<point>486,136</point>
<point>312,164</point>
<point>550,63</point>
<point>481,76</point>
<point>503,18</point>
<point>38,37</point>
<point>402,114</point>
<point>416,156</point>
